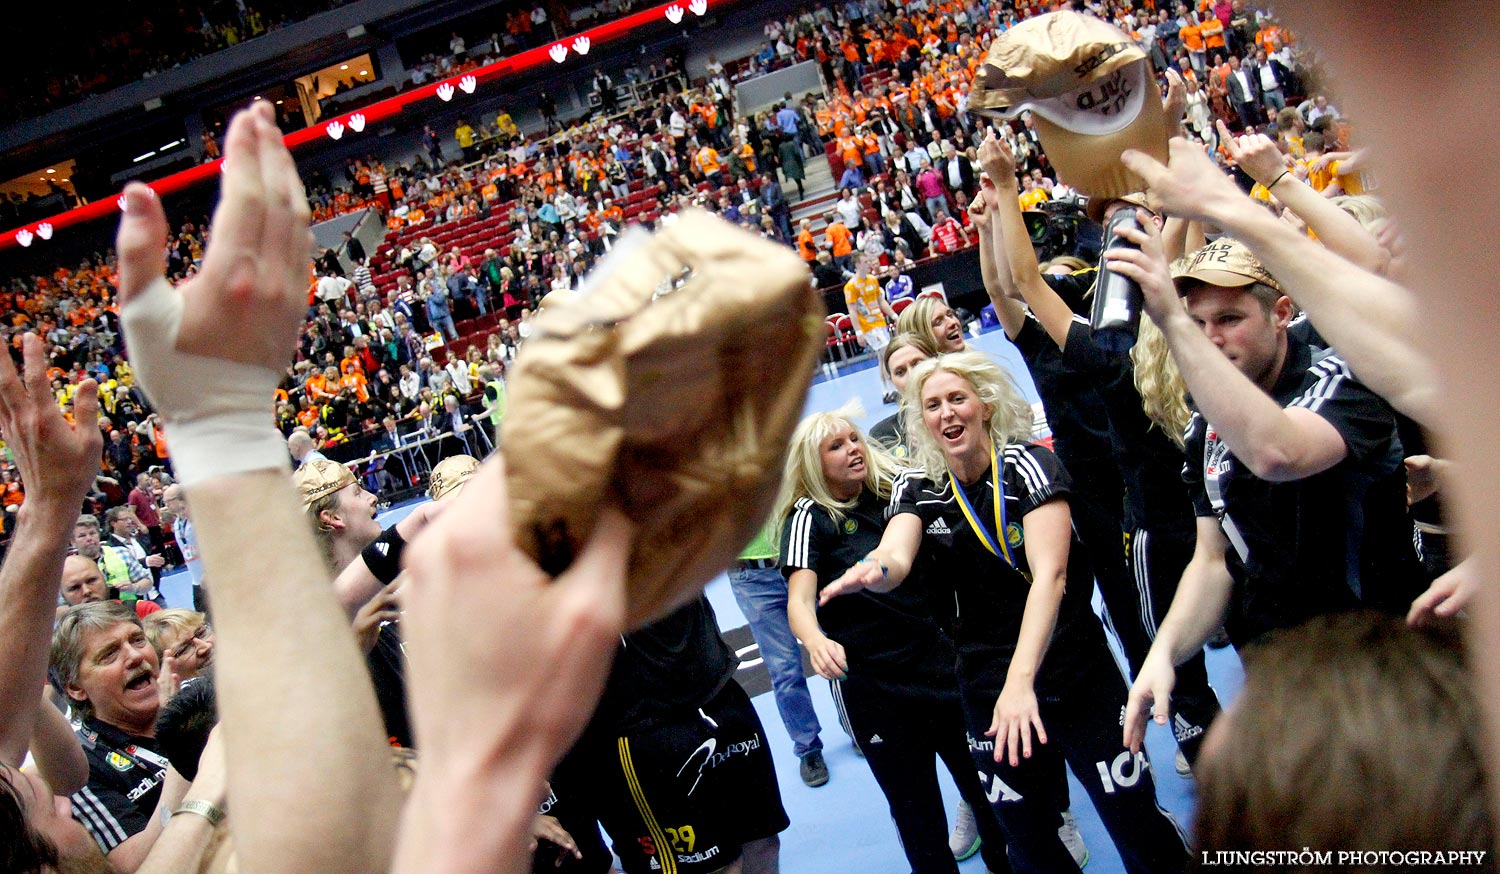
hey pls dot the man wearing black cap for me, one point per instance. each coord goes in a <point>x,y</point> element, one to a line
<point>1294,466</point>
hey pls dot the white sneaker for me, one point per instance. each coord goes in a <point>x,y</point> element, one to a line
<point>1183,768</point>
<point>964,839</point>
<point>1072,839</point>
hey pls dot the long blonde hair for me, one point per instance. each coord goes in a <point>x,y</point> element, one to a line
<point>803,474</point>
<point>917,321</point>
<point>1365,208</point>
<point>1009,420</point>
<point>1163,393</point>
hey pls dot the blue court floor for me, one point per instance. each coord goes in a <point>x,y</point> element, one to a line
<point>843,827</point>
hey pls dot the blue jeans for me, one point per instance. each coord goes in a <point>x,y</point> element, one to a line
<point>445,324</point>
<point>761,594</point>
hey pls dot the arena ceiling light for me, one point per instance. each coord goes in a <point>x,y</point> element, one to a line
<point>377,112</point>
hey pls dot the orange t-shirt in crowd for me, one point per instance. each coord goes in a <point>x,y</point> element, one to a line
<point>840,241</point>
<point>1213,33</point>
<point>708,160</point>
<point>849,149</point>
<point>317,387</point>
<point>357,381</point>
<point>805,246</point>
<point>1192,37</point>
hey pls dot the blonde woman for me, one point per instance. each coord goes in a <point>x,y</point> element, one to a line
<point>933,322</point>
<point>898,358</point>
<point>990,512</point>
<point>889,664</point>
<point>1114,450</point>
<point>183,635</point>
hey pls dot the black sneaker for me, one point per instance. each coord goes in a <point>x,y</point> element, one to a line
<point>814,769</point>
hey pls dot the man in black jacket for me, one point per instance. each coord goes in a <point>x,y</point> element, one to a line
<point>1272,78</point>
<point>1244,92</point>
<point>956,171</point>
<point>773,203</point>
<point>354,248</point>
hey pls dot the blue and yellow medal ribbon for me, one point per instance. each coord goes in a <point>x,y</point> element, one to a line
<point>995,543</point>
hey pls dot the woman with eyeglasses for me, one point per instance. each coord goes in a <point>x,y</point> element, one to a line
<point>183,634</point>
<point>988,511</point>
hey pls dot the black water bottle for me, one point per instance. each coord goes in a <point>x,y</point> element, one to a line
<point>1117,298</point>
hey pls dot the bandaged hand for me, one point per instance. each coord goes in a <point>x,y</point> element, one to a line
<point>211,352</point>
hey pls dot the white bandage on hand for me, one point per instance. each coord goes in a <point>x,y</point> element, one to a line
<point>218,414</point>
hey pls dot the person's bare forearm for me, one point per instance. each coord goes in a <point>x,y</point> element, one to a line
<point>29,581</point>
<point>1274,443</point>
<point>995,271</point>
<point>284,647</point>
<point>59,757</point>
<point>1337,230</point>
<point>131,854</point>
<point>1367,318</point>
<point>180,846</point>
<point>1025,275</point>
<point>1201,601</point>
<point>1174,238</point>
<point>801,606</point>
<point>1049,530</point>
<point>355,586</point>
<point>462,824</point>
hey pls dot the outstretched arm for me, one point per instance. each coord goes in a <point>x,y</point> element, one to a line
<point>1276,443</point>
<point>1367,318</point>
<point>1024,277</point>
<point>887,565</point>
<point>993,266</point>
<point>1337,230</point>
<point>292,687</point>
<point>506,667</point>
<point>58,461</point>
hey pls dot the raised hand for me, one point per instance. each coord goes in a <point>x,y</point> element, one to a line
<point>1189,185</point>
<point>1175,103</point>
<point>996,159</point>
<point>979,207</point>
<point>1148,266</point>
<point>1257,154</point>
<point>168,680</point>
<point>210,352</point>
<point>255,271</point>
<point>58,459</point>
<point>506,662</point>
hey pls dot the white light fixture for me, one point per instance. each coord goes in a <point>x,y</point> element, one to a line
<point>51,170</point>
<point>140,158</point>
<point>343,66</point>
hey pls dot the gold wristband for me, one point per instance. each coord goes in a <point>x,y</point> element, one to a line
<point>205,809</point>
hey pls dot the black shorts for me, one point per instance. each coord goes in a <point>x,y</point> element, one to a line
<point>683,796</point>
